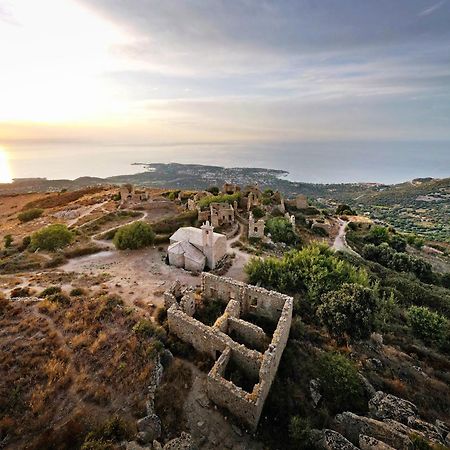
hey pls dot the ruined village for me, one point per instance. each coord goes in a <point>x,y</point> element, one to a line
<point>204,363</point>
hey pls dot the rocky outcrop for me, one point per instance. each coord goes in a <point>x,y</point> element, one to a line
<point>149,428</point>
<point>352,426</point>
<point>444,430</point>
<point>184,442</point>
<point>332,440</point>
<point>386,406</point>
<point>370,443</point>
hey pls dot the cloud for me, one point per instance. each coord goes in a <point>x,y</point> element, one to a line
<point>432,9</point>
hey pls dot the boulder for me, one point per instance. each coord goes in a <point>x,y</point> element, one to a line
<point>430,431</point>
<point>151,426</point>
<point>370,443</point>
<point>386,406</point>
<point>352,426</point>
<point>184,442</point>
<point>332,440</point>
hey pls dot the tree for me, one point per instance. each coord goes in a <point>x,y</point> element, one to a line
<point>30,214</point>
<point>51,237</point>
<point>257,212</point>
<point>349,311</point>
<point>134,236</point>
<point>344,210</point>
<point>8,240</point>
<point>426,324</point>
<point>214,190</point>
<point>378,235</point>
<point>281,230</point>
<point>340,383</point>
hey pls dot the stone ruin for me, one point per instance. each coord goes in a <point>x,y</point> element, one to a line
<point>234,340</point>
<point>255,228</point>
<point>218,214</point>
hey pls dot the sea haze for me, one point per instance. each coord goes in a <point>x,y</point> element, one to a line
<point>320,162</point>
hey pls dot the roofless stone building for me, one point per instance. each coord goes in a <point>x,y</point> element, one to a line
<point>248,337</point>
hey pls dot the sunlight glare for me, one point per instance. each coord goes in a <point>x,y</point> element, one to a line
<point>5,171</point>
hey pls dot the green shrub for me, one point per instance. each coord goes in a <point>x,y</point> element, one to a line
<point>224,198</point>
<point>51,237</point>
<point>349,311</point>
<point>50,291</point>
<point>214,190</point>
<point>257,212</point>
<point>426,324</point>
<point>378,235</point>
<point>345,209</point>
<point>281,230</point>
<point>134,236</point>
<point>400,262</point>
<point>146,328</point>
<point>103,438</point>
<point>300,432</point>
<point>77,292</point>
<point>313,270</point>
<point>8,240</point>
<point>340,384</point>
<point>59,298</point>
<point>30,214</point>
<point>26,241</point>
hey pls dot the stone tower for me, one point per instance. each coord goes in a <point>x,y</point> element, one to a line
<point>208,244</point>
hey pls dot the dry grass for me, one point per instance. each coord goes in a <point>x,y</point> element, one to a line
<point>58,360</point>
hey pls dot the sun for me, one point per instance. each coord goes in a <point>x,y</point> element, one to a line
<point>5,171</point>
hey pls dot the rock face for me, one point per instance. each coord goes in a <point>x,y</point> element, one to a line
<point>314,389</point>
<point>353,426</point>
<point>332,440</point>
<point>386,406</point>
<point>370,443</point>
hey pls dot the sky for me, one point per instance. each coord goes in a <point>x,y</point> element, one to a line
<point>278,74</point>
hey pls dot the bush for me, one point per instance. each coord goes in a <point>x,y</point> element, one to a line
<point>344,209</point>
<point>224,198</point>
<point>51,238</point>
<point>349,311</point>
<point>146,328</point>
<point>313,270</point>
<point>426,324</point>
<point>8,240</point>
<point>401,262</point>
<point>281,230</point>
<point>134,236</point>
<point>77,292</point>
<point>50,291</point>
<point>300,432</point>
<point>214,190</point>
<point>30,214</point>
<point>340,384</point>
<point>26,241</point>
<point>378,235</point>
<point>257,212</point>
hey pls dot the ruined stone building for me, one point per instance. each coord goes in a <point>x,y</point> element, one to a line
<point>230,189</point>
<point>248,338</point>
<point>219,214</point>
<point>196,248</point>
<point>129,194</point>
<point>301,201</point>
<point>255,228</point>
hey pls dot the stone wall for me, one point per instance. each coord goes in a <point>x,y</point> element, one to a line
<point>248,333</point>
<point>215,341</point>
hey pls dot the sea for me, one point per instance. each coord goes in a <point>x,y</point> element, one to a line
<point>317,162</point>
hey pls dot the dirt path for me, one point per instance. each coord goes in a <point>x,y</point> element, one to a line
<point>236,271</point>
<point>88,211</point>
<point>340,243</point>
